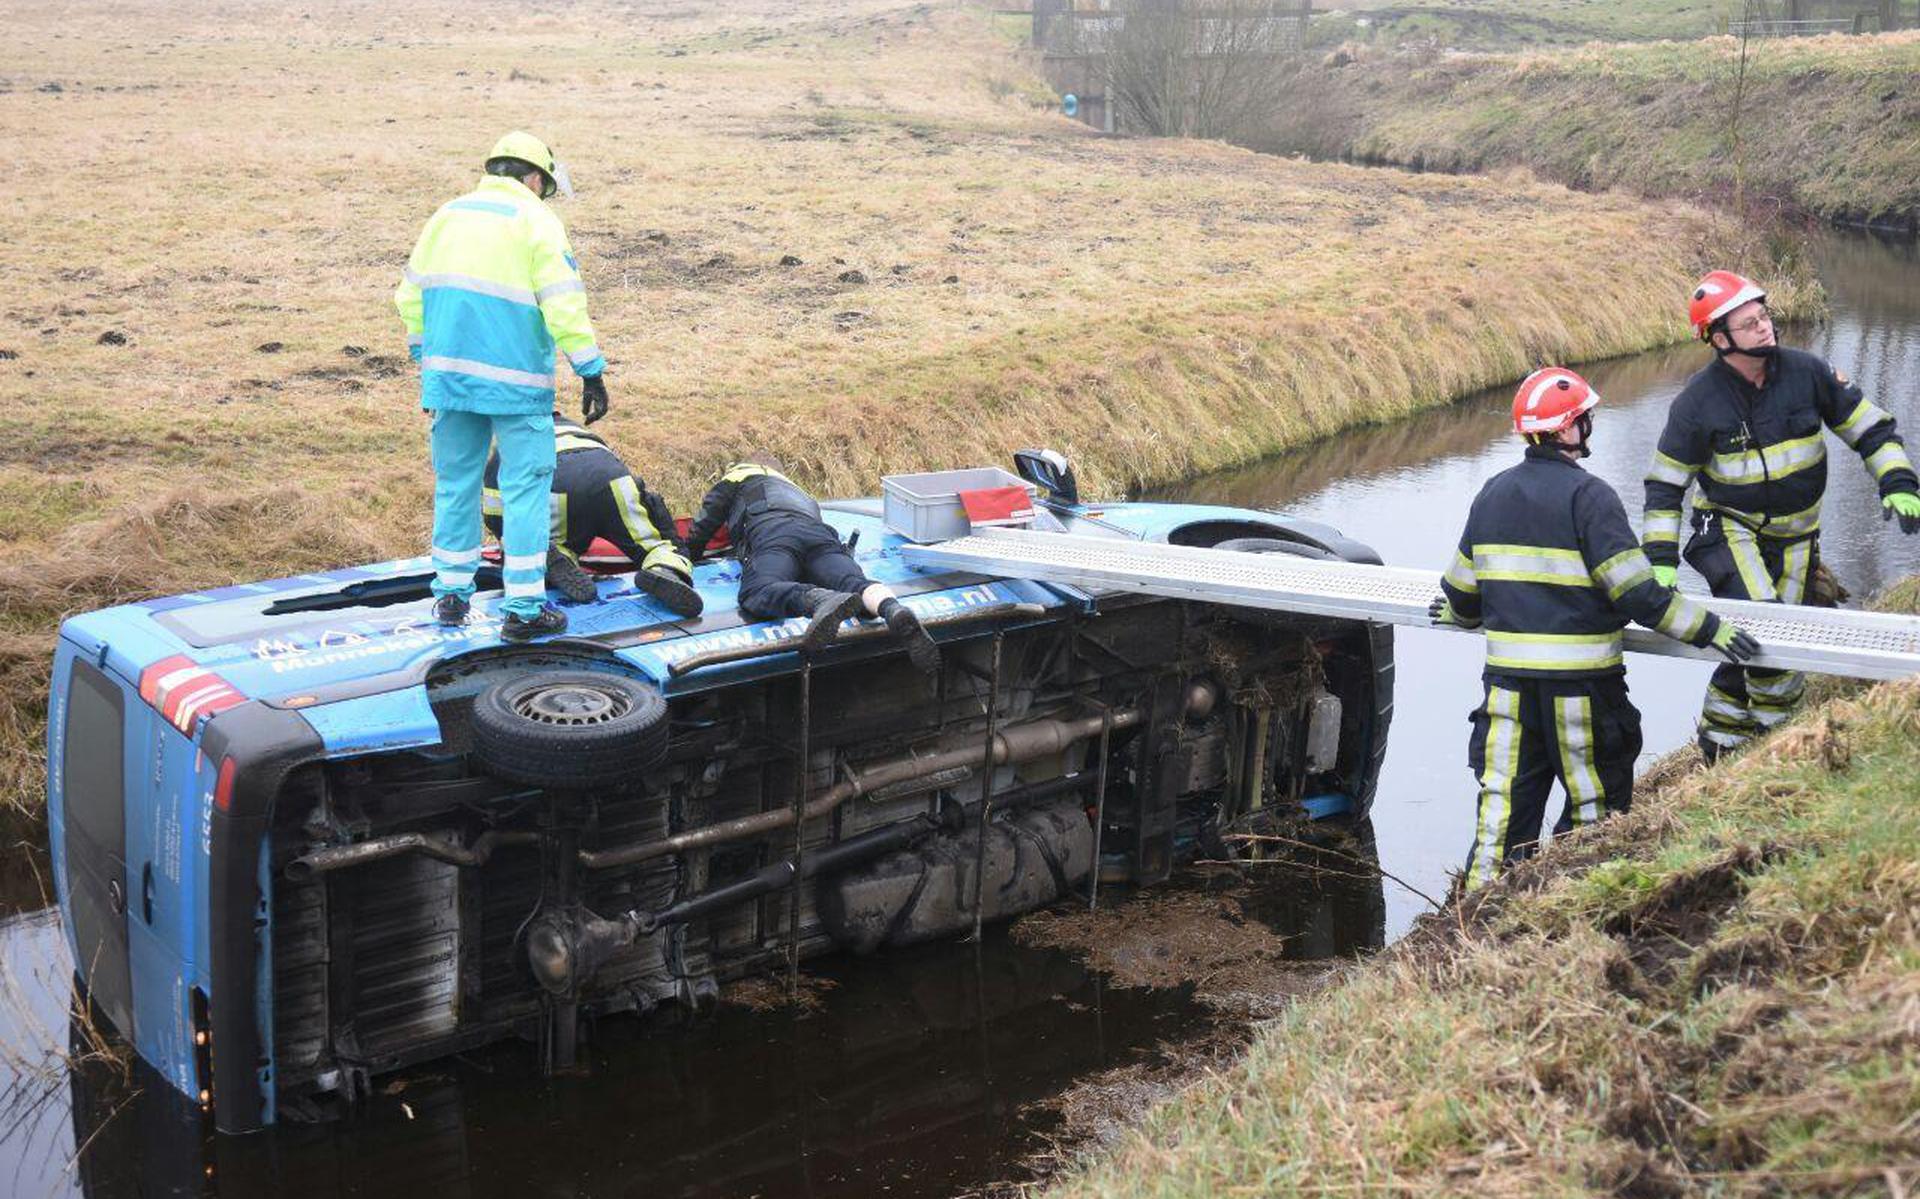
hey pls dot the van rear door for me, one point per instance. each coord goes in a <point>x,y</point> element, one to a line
<point>90,808</point>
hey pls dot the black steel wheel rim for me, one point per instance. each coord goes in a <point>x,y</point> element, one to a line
<point>572,704</point>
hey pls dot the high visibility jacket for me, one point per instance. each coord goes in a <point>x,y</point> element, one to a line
<point>745,493</point>
<point>1549,566</point>
<point>492,287</point>
<point>1758,453</point>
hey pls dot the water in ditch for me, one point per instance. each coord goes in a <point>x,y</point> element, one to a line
<point>941,1071</point>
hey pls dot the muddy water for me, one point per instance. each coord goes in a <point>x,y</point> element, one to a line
<point>943,1070</point>
<point>1405,491</point>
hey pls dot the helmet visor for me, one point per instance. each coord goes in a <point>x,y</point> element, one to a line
<point>561,180</point>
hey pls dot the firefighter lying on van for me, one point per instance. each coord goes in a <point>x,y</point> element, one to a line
<point>595,495</point>
<point>792,563</point>
<point>1550,568</point>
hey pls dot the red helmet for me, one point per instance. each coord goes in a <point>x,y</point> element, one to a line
<point>1716,295</point>
<point>1550,399</point>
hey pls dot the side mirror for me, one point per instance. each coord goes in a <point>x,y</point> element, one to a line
<point>1050,472</point>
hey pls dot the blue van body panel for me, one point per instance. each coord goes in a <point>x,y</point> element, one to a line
<point>357,673</point>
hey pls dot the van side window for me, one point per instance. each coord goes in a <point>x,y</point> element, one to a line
<point>94,773</point>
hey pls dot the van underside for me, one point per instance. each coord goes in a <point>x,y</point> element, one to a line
<point>423,903</point>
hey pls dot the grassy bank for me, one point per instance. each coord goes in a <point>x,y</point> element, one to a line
<point>1829,125</point>
<point>852,232</point>
<point>1717,994</point>
<point>1545,22</point>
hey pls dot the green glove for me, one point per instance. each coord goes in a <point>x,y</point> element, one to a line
<point>1735,644</point>
<point>1666,576</point>
<point>1905,505</point>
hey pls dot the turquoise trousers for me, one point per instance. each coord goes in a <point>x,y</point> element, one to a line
<point>460,444</point>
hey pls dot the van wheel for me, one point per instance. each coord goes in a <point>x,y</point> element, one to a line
<point>569,729</point>
<point>1275,545</point>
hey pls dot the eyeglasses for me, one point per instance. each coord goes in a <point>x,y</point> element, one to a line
<point>1752,323</point>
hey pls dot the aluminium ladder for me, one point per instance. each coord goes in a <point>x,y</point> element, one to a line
<point>1838,641</point>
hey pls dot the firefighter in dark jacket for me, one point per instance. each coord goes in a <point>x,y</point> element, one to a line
<point>792,563</point>
<point>1747,429</point>
<point>595,495</point>
<point>1549,567</point>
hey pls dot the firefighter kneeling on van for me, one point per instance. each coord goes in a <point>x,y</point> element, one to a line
<point>1549,567</point>
<point>595,495</point>
<point>792,563</point>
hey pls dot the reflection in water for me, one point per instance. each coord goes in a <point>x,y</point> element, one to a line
<point>916,1073</point>
<point>1405,491</point>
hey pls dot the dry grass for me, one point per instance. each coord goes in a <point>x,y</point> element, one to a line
<point>235,190</point>
<point>1716,995</point>
<point>1828,124</point>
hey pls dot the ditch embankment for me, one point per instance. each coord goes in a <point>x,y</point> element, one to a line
<point>1718,993</point>
<point>1827,126</point>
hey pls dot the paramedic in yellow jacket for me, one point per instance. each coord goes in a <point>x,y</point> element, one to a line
<point>491,289</point>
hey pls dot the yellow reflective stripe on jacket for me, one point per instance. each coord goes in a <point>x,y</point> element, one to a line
<point>1863,417</point>
<point>1553,651</point>
<point>1776,461</point>
<point>1797,524</point>
<point>1460,574</point>
<point>1530,564</point>
<point>1682,620</point>
<point>740,472</point>
<point>1623,572</point>
<point>1671,471</point>
<point>1891,456</point>
<point>1662,524</point>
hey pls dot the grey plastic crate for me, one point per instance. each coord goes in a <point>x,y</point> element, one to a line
<point>926,507</point>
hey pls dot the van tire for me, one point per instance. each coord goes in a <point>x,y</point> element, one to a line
<point>1275,545</point>
<point>569,729</point>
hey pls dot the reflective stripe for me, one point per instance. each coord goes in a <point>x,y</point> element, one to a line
<point>1797,524</point>
<point>557,522</point>
<point>455,557</point>
<point>582,357</point>
<point>568,440</point>
<point>520,589</point>
<point>524,562</point>
<point>1723,711</point>
<point>1669,470</point>
<point>1460,574</point>
<point>1772,697</point>
<point>1682,620</point>
<point>1796,568</point>
<point>1891,456</point>
<point>1553,651</point>
<point>1573,723</point>
<point>472,283</point>
<point>1623,572</point>
<point>633,513</point>
<point>489,206</point>
<point>1751,567</point>
<point>740,472</point>
<point>1496,785</point>
<point>481,370</point>
<point>1768,462</point>
<point>665,555</point>
<point>1662,525</point>
<point>491,503</point>
<point>564,287</point>
<point>1863,417</point>
<point>1530,564</point>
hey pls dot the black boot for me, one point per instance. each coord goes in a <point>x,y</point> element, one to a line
<point>908,630</point>
<point>524,628</point>
<point>829,608</point>
<point>675,594</point>
<point>565,576</point>
<point>451,609</point>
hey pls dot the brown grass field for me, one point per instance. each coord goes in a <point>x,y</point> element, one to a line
<point>204,379</point>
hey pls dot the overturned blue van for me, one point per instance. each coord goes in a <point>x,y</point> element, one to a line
<point>303,836</point>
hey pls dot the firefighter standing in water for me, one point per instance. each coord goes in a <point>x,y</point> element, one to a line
<point>595,495</point>
<point>792,563</point>
<point>1549,567</point>
<point>489,292</point>
<point>1747,429</point>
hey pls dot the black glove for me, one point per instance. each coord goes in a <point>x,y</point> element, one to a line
<point>593,398</point>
